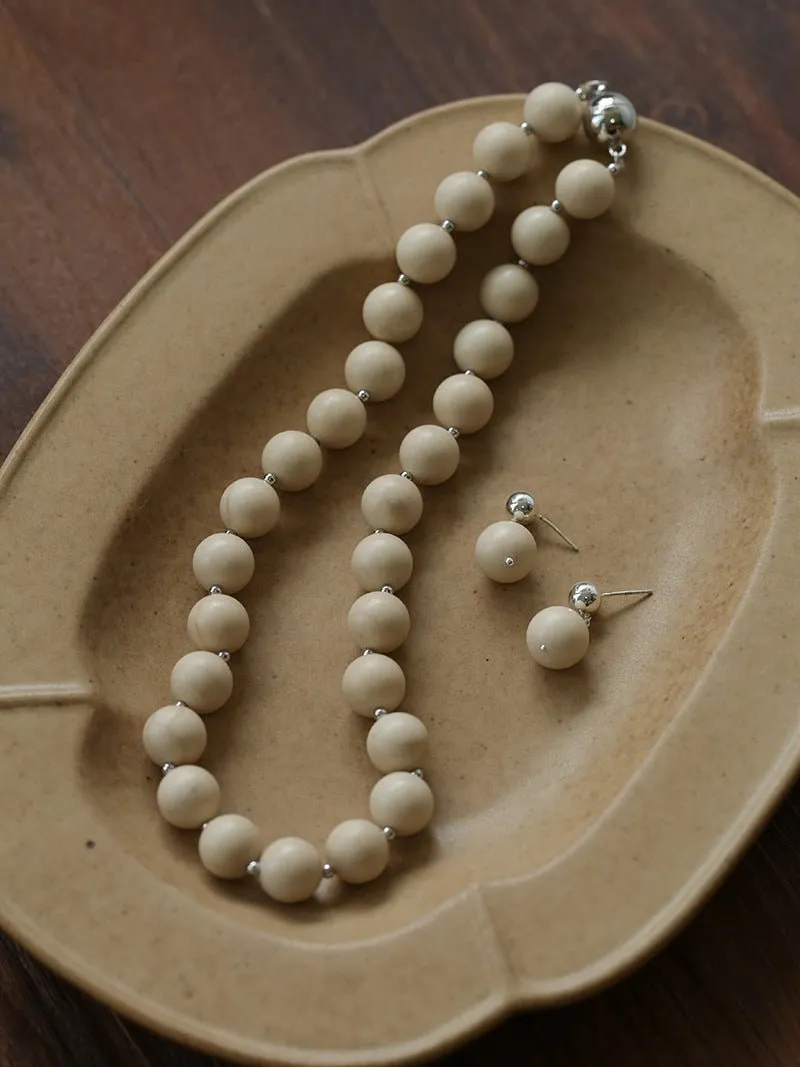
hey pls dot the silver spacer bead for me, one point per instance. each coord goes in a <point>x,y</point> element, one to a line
<point>557,207</point>
<point>387,589</point>
<point>233,533</point>
<point>403,279</point>
<point>472,372</point>
<point>328,870</point>
<point>363,395</point>
<point>167,767</point>
<point>452,430</point>
<point>378,713</point>
<point>526,127</point>
<point>448,225</point>
<point>418,772</point>
<point>524,264</point>
<point>616,168</point>
<point>205,824</point>
<point>389,833</point>
<point>483,174</point>
<point>408,475</point>
<point>225,655</point>
<point>253,868</point>
<point>214,590</point>
<point>270,478</point>
<point>179,704</point>
<point>367,651</point>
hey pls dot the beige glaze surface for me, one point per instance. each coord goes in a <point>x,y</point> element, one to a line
<point>654,408</point>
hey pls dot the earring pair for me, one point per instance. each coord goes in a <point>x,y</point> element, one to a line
<point>557,636</point>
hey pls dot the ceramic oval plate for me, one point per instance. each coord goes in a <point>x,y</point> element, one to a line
<point>653,405</point>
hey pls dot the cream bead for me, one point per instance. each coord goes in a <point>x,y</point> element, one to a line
<point>426,253</point>
<point>225,560</point>
<point>430,453</point>
<point>466,199</point>
<point>201,680</point>
<point>377,368</point>
<point>373,681</point>
<point>392,312</point>
<point>503,149</point>
<point>485,347</point>
<point>218,623</point>
<point>397,742</point>
<point>557,637</point>
<point>337,418</point>
<point>227,845</point>
<point>539,235</point>
<point>585,188</point>
<point>250,506</point>
<point>509,293</point>
<point>295,459</point>
<point>381,559</point>
<point>403,801</point>
<point>553,110</point>
<point>379,621</point>
<point>174,734</point>
<point>290,870</point>
<point>501,542</point>
<point>463,401</point>
<point>357,850</point>
<point>393,503</point>
<point>188,796</point>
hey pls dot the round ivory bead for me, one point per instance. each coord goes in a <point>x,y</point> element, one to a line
<point>463,401</point>
<point>430,453</point>
<point>509,293</point>
<point>188,796</point>
<point>250,506</point>
<point>553,111</point>
<point>227,845</point>
<point>501,542</point>
<point>201,680</point>
<point>290,870</point>
<point>503,150</point>
<point>485,347</point>
<point>218,623</point>
<point>379,621</point>
<point>174,734</point>
<point>295,459</point>
<point>557,637</point>
<point>403,801</point>
<point>373,681</point>
<point>397,742</point>
<point>376,367</point>
<point>225,560</point>
<point>392,312</point>
<point>539,235</point>
<point>426,253</point>
<point>381,559</point>
<point>466,199</point>
<point>392,502</point>
<point>585,188</point>
<point>357,850</point>
<point>337,418</point>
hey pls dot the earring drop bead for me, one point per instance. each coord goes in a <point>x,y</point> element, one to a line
<point>501,542</point>
<point>557,637</point>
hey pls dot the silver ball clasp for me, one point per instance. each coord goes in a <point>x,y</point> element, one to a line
<point>609,116</point>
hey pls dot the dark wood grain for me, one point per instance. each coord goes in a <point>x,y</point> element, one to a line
<point>121,122</point>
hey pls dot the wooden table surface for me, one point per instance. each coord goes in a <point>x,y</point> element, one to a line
<point>122,121</point>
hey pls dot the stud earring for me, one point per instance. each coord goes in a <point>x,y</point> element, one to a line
<point>558,637</point>
<point>505,551</point>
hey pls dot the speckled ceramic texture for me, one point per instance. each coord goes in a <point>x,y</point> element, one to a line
<point>653,406</point>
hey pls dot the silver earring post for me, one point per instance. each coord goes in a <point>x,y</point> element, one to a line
<point>585,597</point>
<point>522,509</point>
